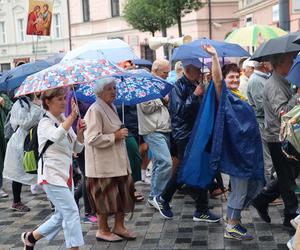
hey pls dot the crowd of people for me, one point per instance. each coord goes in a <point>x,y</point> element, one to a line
<point>112,155</point>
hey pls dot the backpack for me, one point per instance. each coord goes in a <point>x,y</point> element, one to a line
<point>290,133</point>
<point>31,155</point>
<point>8,130</point>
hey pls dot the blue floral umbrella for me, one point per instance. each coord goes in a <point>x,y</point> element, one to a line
<point>133,87</point>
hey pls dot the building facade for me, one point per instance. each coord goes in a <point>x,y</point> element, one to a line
<point>16,47</point>
<point>266,12</point>
<point>88,23</point>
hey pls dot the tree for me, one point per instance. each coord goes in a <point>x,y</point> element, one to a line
<point>179,8</point>
<point>148,15</point>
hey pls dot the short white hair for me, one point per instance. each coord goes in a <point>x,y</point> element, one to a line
<point>101,83</point>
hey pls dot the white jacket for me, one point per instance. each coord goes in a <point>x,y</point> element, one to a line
<point>23,117</point>
<point>58,157</point>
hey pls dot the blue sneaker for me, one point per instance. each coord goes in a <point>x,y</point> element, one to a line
<point>238,232</point>
<point>206,217</point>
<point>163,207</point>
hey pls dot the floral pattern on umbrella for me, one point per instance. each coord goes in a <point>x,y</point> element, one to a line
<point>132,88</point>
<point>66,74</point>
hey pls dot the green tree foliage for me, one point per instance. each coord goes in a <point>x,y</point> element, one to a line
<point>179,8</point>
<point>147,15</point>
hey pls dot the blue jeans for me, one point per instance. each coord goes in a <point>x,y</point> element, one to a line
<point>242,193</point>
<point>66,216</point>
<point>161,159</point>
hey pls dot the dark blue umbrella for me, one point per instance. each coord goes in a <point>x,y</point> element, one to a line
<point>194,50</point>
<point>294,74</point>
<point>13,78</point>
<point>142,62</point>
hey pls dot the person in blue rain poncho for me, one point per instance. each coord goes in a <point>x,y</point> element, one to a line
<point>226,138</point>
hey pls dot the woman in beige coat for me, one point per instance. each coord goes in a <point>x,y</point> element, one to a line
<point>109,181</point>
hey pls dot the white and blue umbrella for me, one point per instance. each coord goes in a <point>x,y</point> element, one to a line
<point>113,50</point>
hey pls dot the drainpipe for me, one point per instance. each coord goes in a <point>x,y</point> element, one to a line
<point>209,19</point>
<point>69,24</point>
<point>284,15</point>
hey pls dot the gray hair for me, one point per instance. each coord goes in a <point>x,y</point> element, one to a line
<point>101,83</point>
<point>159,63</point>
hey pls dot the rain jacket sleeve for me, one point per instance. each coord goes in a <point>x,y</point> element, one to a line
<point>281,102</point>
<point>183,106</point>
<point>25,115</point>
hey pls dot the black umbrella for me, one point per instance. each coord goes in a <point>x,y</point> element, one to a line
<point>279,45</point>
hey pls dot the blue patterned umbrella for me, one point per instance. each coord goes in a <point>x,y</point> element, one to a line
<point>133,87</point>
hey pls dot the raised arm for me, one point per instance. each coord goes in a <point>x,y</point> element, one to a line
<point>215,69</point>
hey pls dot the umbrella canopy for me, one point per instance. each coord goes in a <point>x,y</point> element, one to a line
<point>133,87</point>
<point>294,74</point>
<point>114,50</point>
<point>66,74</point>
<point>254,35</point>
<point>280,45</point>
<point>56,58</point>
<point>13,78</point>
<point>142,62</point>
<point>194,50</point>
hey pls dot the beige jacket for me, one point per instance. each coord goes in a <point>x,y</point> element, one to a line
<point>103,156</point>
<point>153,116</point>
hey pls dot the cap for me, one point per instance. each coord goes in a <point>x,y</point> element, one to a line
<point>250,63</point>
<point>195,62</point>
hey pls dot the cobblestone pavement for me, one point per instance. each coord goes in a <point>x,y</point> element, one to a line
<point>153,231</point>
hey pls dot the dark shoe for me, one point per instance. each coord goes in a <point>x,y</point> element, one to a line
<point>109,238</point>
<point>26,242</point>
<point>287,220</point>
<point>20,207</point>
<point>163,207</point>
<point>262,212</point>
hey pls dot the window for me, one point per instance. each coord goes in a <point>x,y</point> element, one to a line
<point>249,20</point>
<point>2,33</point>
<point>147,53</point>
<point>57,25</point>
<point>86,10</point>
<point>21,30</point>
<point>115,8</point>
<point>5,66</point>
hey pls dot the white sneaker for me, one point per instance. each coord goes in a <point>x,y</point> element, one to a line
<point>3,194</point>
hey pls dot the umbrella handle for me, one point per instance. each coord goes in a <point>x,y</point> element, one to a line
<point>76,100</point>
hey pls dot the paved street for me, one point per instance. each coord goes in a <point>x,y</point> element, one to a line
<point>153,231</point>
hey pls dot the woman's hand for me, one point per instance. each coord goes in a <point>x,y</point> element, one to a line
<point>121,134</point>
<point>75,111</point>
<point>81,126</point>
<point>210,50</point>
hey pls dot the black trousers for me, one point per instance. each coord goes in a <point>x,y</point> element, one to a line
<point>199,195</point>
<point>81,190</point>
<point>287,171</point>
<point>16,189</point>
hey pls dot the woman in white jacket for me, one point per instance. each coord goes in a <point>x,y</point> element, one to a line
<point>55,170</point>
<point>26,112</point>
